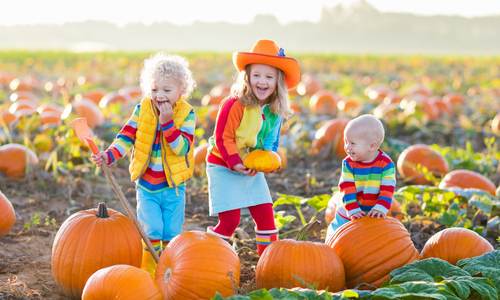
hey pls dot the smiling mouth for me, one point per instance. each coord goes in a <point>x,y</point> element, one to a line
<point>262,90</point>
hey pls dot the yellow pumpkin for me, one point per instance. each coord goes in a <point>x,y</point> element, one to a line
<point>262,160</point>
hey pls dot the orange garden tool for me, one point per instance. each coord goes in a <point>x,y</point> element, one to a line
<point>82,132</point>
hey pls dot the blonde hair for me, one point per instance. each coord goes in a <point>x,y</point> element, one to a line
<point>369,126</point>
<point>162,65</point>
<point>278,103</point>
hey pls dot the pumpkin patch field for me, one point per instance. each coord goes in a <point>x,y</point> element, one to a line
<point>64,233</point>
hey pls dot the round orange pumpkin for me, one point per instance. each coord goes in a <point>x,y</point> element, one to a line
<point>21,104</point>
<point>122,282</point>
<point>314,263</point>
<point>133,91</point>
<point>115,97</point>
<point>454,244</point>
<point>371,248</point>
<point>7,117</point>
<point>13,159</point>
<point>90,240</point>
<point>50,107</point>
<point>94,95</point>
<point>262,160</point>
<point>427,157</point>
<point>20,95</point>
<point>347,105</point>
<point>7,215</point>
<point>195,265</point>
<point>324,102</point>
<point>332,132</point>
<point>87,109</point>
<point>467,179</point>
<point>309,85</point>
<point>378,92</point>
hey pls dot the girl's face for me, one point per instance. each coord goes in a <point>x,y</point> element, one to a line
<point>263,80</point>
<point>166,90</point>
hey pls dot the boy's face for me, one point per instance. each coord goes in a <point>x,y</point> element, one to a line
<point>358,146</point>
<point>166,90</point>
<point>263,79</point>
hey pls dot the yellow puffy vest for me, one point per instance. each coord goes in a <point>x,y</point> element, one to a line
<point>177,168</point>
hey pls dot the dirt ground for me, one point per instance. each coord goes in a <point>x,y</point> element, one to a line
<point>25,254</point>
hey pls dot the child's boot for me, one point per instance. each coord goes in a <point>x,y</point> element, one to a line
<point>148,261</point>
<point>265,238</point>
<point>211,231</point>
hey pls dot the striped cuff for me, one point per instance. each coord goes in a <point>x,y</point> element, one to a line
<point>156,244</point>
<point>266,237</point>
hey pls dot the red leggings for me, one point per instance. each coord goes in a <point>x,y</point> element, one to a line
<point>262,214</point>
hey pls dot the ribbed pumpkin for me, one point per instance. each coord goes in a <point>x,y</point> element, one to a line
<point>371,248</point>
<point>332,132</point>
<point>195,265</point>
<point>7,215</point>
<point>454,244</point>
<point>324,102</point>
<point>427,157</point>
<point>468,179</point>
<point>13,159</point>
<point>262,160</point>
<point>90,240</point>
<point>331,209</point>
<point>312,262</point>
<point>122,282</point>
<point>200,154</point>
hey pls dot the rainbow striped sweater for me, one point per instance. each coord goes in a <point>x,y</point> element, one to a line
<point>367,186</point>
<point>237,132</point>
<point>154,179</point>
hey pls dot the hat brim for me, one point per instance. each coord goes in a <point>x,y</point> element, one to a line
<point>290,66</point>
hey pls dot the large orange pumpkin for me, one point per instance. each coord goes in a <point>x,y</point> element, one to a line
<point>314,263</point>
<point>13,159</point>
<point>90,240</point>
<point>468,179</point>
<point>371,248</point>
<point>454,244</point>
<point>87,109</point>
<point>195,265</point>
<point>122,282</point>
<point>427,157</point>
<point>7,215</point>
<point>332,132</point>
<point>324,102</point>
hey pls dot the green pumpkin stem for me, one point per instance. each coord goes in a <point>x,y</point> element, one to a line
<point>306,230</point>
<point>102,211</point>
<point>262,144</point>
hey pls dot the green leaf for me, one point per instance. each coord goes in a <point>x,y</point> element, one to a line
<point>281,221</point>
<point>425,270</point>
<point>319,202</point>
<point>288,199</point>
<point>415,290</point>
<point>487,265</point>
<point>463,285</point>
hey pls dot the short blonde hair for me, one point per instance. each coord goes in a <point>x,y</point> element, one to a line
<point>369,126</point>
<point>279,103</point>
<point>162,65</point>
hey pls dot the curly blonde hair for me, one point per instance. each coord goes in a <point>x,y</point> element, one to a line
<point>163,65</point>
<point>279,102</point>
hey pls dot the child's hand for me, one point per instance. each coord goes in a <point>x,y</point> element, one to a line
<point>99,158</point>
<point>240,168</point>
<point>166,112</point>
<point>358,215</point>
<point>376,213</point>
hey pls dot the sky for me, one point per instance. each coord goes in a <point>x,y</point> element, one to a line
<point>182,12</point>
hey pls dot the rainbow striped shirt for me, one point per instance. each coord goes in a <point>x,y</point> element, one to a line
<point>154,179</point>
<point>367,186</point>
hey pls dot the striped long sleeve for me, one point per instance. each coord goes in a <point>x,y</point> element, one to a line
<point>368,186</point>
<point>180,139</point>
<point>125,139</point>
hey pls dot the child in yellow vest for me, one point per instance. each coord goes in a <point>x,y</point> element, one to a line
<point>248,119</point>
<point>161,131</point>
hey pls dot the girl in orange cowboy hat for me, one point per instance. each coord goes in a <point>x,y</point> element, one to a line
<point>251,115</point>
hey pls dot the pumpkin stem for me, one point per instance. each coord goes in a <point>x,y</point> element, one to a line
<point>306,230</point>
<point>102,211</point>
<point>262,144</point>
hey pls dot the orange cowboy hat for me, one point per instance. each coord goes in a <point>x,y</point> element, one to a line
<point>267,52</point>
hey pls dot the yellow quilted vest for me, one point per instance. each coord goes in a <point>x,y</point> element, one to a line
<point>177,168</point>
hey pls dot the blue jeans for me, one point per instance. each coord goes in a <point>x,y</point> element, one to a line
<point>161,214</point>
